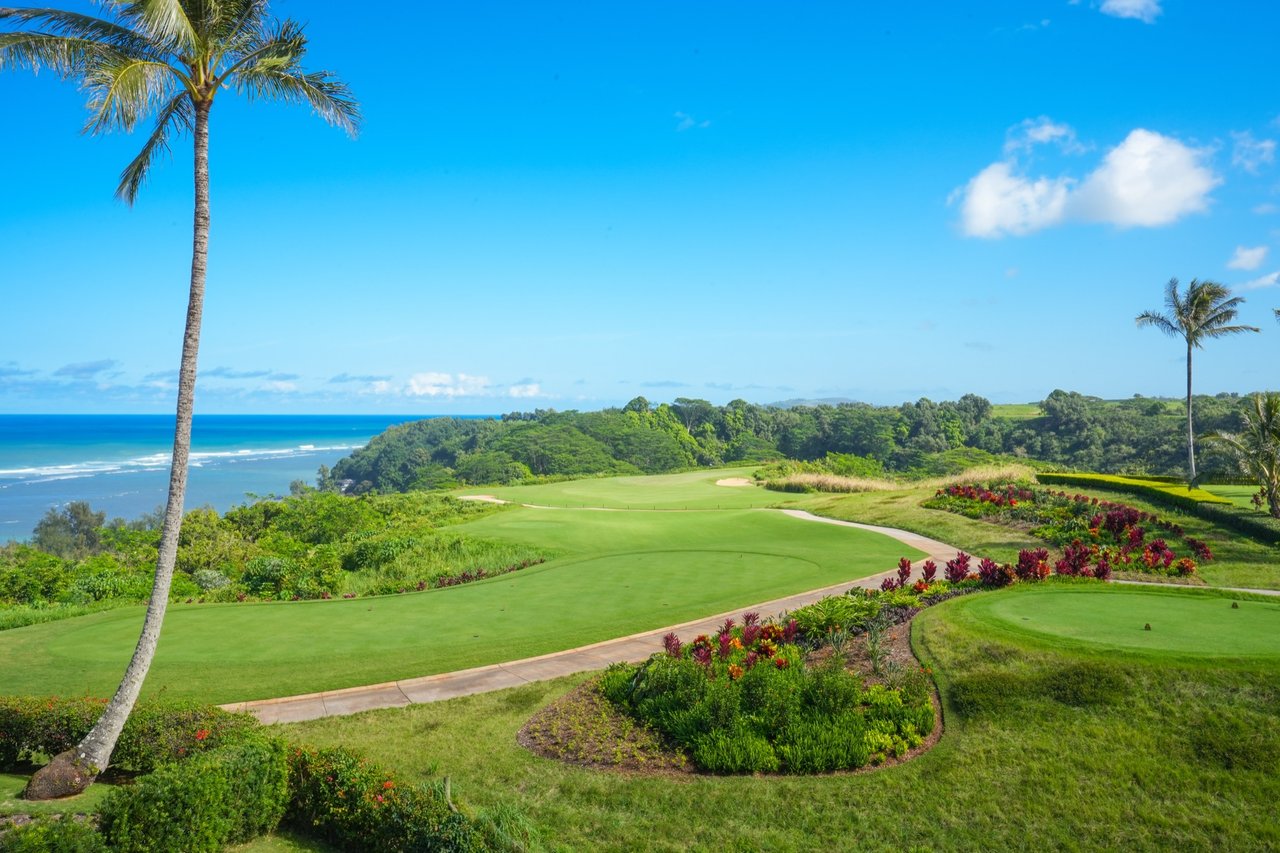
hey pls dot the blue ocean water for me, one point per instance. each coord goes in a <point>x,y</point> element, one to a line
<point>120,463</point>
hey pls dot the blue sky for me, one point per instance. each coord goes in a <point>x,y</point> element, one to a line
<point>567,205</point>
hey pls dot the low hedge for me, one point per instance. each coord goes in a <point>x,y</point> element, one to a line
<point>354,804</point>
<point>63,834</point>
<point>225,796</point>
<point>1197,502</point>
<point>157,732</point>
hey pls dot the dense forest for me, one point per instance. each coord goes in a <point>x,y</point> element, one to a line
<point>1136,436</point>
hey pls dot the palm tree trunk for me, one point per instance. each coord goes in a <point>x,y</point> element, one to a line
<point>1191,435</point>
<point>74,770</point>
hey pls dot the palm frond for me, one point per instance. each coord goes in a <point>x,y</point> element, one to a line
<point>330,98</point>
<point>1277,312</point>
<point>122,93</point>
<point>1159,321</point>
<point>175,116</point>
<point>1219,331</point>
<point>64,55</point>
<point>162,22</point>
<point>62,23</point>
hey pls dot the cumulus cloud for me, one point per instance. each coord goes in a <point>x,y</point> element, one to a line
<point>1252,154</point>
<point>281,386</point>
<point>1247,259</point>
<point>1268,280</point>
<point>1147,180</point>
<point>446,385</point>
<point>1041,131</point>
<point>1143,10</point>
<point>999,202</point>
<point>86,369</point>
<point>526,389</point>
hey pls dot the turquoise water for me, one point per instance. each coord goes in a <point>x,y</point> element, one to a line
<point>120,463</point>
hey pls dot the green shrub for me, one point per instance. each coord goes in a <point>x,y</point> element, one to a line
<point>57,834</point>
<point>157,732</point>
<point>227,795</point>
<point>735,750</point>
<point>343,799</point>
<point>835,613</point>
<point>822,743</point>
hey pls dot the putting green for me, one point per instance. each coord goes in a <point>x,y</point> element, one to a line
<point>1183,623</point>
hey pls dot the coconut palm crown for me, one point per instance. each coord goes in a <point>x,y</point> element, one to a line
<point>167,59</point>
<point>1207,310</point>
<point>1257,447</point>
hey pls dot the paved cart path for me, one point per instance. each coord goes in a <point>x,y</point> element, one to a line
<point>637,647</point>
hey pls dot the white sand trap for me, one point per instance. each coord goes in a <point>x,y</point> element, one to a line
<point>489,499</point>
<point>735,482</point>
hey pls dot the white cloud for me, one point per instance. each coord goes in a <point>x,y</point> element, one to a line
<point>998,202</point>
<point>1143,10</point>
<point>530,389</point>
<point>1265,208</point>
<point>281,386</point>
<point>1041,131</point>
<point>1247,259</point>
<point>1147,180</point>
<point>446,385</point>
<point>1252,154</point>
<point>1268,280</point>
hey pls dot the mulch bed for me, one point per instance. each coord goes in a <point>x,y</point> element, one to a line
<point>586,729</point>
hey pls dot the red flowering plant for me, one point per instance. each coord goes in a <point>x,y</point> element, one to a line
<point>736,649</point>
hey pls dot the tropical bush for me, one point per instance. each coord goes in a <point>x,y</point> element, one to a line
<point>224,796</point>
<point>157,731</point>
<point>744,701</point>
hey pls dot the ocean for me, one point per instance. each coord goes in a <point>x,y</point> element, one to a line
<point>120,463</point>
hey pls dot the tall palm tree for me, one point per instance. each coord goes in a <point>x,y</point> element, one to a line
<point>1205,311</point>
<point>170,59</point>
<point>1257,446</point>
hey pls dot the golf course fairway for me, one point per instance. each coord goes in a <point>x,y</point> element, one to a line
<point>609,574</point>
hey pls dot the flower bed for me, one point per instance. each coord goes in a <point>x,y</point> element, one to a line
<point>744,700</point>
<point>1097,536</point>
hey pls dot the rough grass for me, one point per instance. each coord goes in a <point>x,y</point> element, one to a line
<point>835,484</point>
<point>1073,750</point>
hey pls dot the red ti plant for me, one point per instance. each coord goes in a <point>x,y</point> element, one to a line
<point>889,584</point>
<point>750,634</point>
<point>751,618</point>
<point>929,569</point>
<point>672,644</point>
<point>790,631</point>
<point>725,639</point>
<point>1033,564</point>
<point>904,571</point>
<point>993,574</point>
<point>958,569</point>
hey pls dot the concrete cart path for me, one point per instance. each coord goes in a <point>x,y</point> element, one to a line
<point>637,647</point>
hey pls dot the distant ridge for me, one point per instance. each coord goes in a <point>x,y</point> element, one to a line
<point>821,401</point>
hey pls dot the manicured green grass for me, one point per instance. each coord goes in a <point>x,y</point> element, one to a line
<point>615,573</point>
<point>1182,623</point>
<point>1016,411</point>
<point>1043,748</point>
<point>1239,495</point>
<point>688,490</point>
<point>12,785</point>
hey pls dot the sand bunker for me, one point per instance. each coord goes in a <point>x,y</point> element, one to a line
<point>489,499</point>
<point>735,482</point>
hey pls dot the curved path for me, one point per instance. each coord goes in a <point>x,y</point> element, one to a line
<point>637,647</point>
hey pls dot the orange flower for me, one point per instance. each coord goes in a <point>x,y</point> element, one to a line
<point>201,734</point>
<point>388,784</point>
<point>735,672</point>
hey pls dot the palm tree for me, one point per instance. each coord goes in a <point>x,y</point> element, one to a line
<point>1206,311</point>
<point>170,59</point>
<point>1257,447</point>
